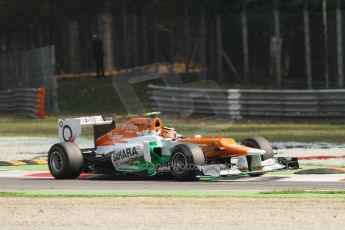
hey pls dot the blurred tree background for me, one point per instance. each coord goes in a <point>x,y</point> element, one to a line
<point>243,41</point>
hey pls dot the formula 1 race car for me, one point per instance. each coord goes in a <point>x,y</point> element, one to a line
<point>144,146</point>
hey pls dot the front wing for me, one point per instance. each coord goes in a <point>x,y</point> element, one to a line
<point>219,170</point>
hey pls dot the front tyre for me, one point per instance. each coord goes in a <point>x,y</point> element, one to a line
<point>184,161</point>
<point>258,143</point>
<point>65,160</point>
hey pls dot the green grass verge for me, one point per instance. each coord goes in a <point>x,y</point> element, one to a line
<point>273,131</point>
<point>20,126</point>
<point>24,127</point>
<point>289,194</point>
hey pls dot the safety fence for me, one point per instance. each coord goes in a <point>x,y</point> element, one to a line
<point>31,69</point>
<point>28,101</point>
<point>240,103</point>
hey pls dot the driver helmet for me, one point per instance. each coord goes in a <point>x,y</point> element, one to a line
<point>169,132</point>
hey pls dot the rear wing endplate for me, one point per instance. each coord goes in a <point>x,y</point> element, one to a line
<point>71,128</point>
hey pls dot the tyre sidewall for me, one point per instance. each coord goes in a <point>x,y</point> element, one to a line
<point>260,143</point>
<point>190,168</point>
<point>72,160</point>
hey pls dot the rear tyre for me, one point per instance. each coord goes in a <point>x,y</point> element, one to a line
<point>258,143</point>
<point>184,161</point>
<point>65,160</point>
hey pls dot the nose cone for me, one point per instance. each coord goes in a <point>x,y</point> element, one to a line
<point>253,152</point>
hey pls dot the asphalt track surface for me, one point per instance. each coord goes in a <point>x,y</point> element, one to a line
<point>111,183</point>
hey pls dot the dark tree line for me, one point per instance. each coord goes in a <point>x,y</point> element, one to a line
<point>206,33</point>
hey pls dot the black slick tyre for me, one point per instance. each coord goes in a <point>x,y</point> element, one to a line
<point>258,143</point>
<point>184,161</point>
<point>65,160</point>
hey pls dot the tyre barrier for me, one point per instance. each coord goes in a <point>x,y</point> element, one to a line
<point>24,162</point>
<point>28,101</point>
<point>240,103</point>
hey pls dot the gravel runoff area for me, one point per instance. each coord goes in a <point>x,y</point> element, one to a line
<point>295,149</point>
<point>170,213</point>
<point>25,148</point>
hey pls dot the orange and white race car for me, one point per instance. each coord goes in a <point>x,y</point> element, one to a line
<point>144,146</point>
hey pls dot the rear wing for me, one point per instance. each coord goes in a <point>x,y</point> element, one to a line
<point>71,128</point>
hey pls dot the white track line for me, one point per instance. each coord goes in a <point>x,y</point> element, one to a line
<point>315,178</point>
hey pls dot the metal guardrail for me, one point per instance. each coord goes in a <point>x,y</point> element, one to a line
<point>28,101</point>
<point>248,103</point>
<point>31,69</point>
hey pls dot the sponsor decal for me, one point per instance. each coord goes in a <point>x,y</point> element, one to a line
<point>69,130</point>
<point>125,153</point>
<point>164,167</point>
<point>67,134</point>
<point>129,127</point>
<point>126,156</point>
<point>114,136</point>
